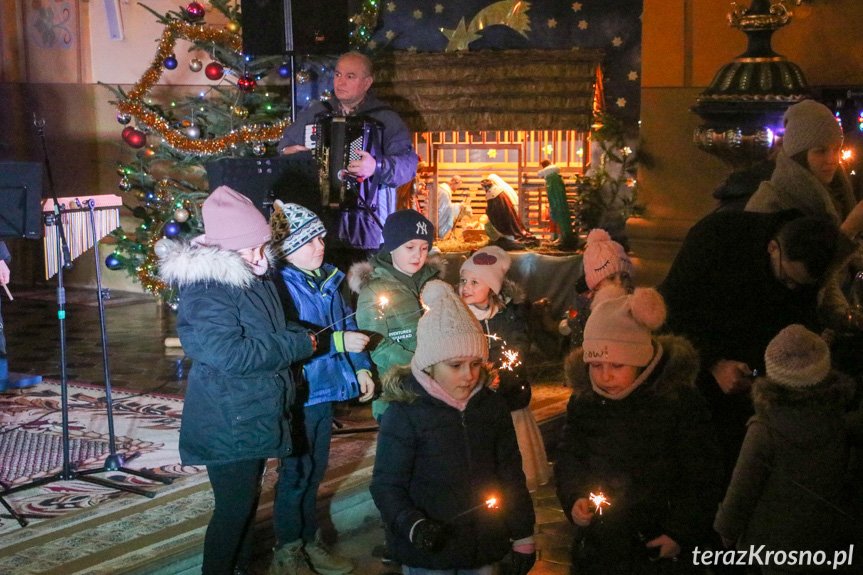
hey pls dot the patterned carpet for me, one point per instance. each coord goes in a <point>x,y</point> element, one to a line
<point>82,529</point>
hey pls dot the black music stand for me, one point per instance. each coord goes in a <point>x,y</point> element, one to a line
<point>20,217</point>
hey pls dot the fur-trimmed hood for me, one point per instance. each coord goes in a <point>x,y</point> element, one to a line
<point>361,273</point>
<point>548,170</point>
<point>396,386</point>
<point>806,415</point>
<point>188,262</point>
<point>677,369</point>
<point>511,292</point>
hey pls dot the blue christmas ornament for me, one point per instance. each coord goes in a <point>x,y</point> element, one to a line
<point>172,230</point>
<point>170,62</point>
<point>285,70</point>
<point>112,262</point>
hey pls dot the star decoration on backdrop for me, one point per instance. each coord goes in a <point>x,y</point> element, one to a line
<point>632,76</point>
<point>417,14</point>
<point>372,44</point>
<point>617,42</point>
<point>391,6</point>
<point>390,34</point>
<point>621,102</point>
<point>459,37</point>
<point>438,8</point>
<point>492,153</point>
<point>576,6</point>
<point>582,25</point>
<point>552,23</point>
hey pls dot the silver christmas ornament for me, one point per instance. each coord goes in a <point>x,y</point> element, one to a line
<point>193,132</point>
<point>181,215</point>
<point>195,65</point>
<point>259,149</point>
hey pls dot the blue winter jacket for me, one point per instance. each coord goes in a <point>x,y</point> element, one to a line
<point>329,375</point>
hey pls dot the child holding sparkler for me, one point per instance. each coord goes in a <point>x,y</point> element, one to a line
<point>231,324</point>
<point>339,371</point>
<point>447,453</point>
<point>398,273</point>
<point>638,431</point>
<point>606,267</point>
<point>498,304</point>
<point>787,491</point>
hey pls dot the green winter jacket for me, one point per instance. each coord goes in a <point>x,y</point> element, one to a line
<point>393,328</point>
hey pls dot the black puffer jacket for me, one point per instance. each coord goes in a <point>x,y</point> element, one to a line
<point>653,453</point>
<point>231,324</point>
<point>436,462</point>
<point>510,328</point>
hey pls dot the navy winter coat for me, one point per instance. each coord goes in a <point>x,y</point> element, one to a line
<point>436,462</point>
<point>328,375</point>
<point>232,326</point>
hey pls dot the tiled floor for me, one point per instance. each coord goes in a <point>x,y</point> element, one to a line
<point>139,361</point>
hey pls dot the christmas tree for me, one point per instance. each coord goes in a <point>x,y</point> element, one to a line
<point>242,111</point>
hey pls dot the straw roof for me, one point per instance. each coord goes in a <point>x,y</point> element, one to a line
<point>491,90</point>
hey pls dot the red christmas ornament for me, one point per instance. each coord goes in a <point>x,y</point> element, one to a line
<point>126,131</point>
<point>246,84</point>
<point>135,138</point>
<point>195,9</point>
<point>214,71</point>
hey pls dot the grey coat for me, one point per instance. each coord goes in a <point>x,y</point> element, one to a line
<point>788,488</point>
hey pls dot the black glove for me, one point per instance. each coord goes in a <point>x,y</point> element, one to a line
<point>429,535</point>
<point>520,563</point>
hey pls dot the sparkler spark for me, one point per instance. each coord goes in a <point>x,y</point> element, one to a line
<point>382,303</point>
<point>510,360</point>
<point>599,499</point>
<point>491,503</point>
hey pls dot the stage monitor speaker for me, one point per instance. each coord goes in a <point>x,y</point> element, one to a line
<point>292,179</point>
<point>21,200</point>
<point>275,27</point>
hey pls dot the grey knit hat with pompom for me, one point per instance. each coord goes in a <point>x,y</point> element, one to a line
<point>796,357</point>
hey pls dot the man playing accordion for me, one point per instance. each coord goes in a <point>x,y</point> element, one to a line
<point>373,175</point>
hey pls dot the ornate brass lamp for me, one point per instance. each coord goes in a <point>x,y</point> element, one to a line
<point>743,106</point>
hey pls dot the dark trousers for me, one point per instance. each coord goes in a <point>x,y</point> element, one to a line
<point>236,487</point>
<point>301,474</point>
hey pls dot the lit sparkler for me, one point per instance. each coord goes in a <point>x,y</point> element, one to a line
<point>381,303</point>
<point>599,499</point>
<point>492,504</point>
<point>510,360</point>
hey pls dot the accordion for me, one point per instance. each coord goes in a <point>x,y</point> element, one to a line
<point>336,141</point>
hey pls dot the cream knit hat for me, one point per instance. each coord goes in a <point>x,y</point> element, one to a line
<point>448,329</point>
<point>809,124</point>
<point>796,357</point>
<point>603,257</point>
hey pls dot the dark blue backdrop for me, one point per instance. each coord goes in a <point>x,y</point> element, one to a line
<point>613,26</point>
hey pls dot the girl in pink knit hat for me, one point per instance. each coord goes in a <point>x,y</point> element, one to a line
<point>637,431</point>
<point>447,477</point>
<point>607,268</point>
<point>499,305</point>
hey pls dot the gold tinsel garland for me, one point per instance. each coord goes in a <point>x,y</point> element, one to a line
<point>134,106</point>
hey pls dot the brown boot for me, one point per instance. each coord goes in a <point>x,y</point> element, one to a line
<point>290,559</point>
<point>324,561</point>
